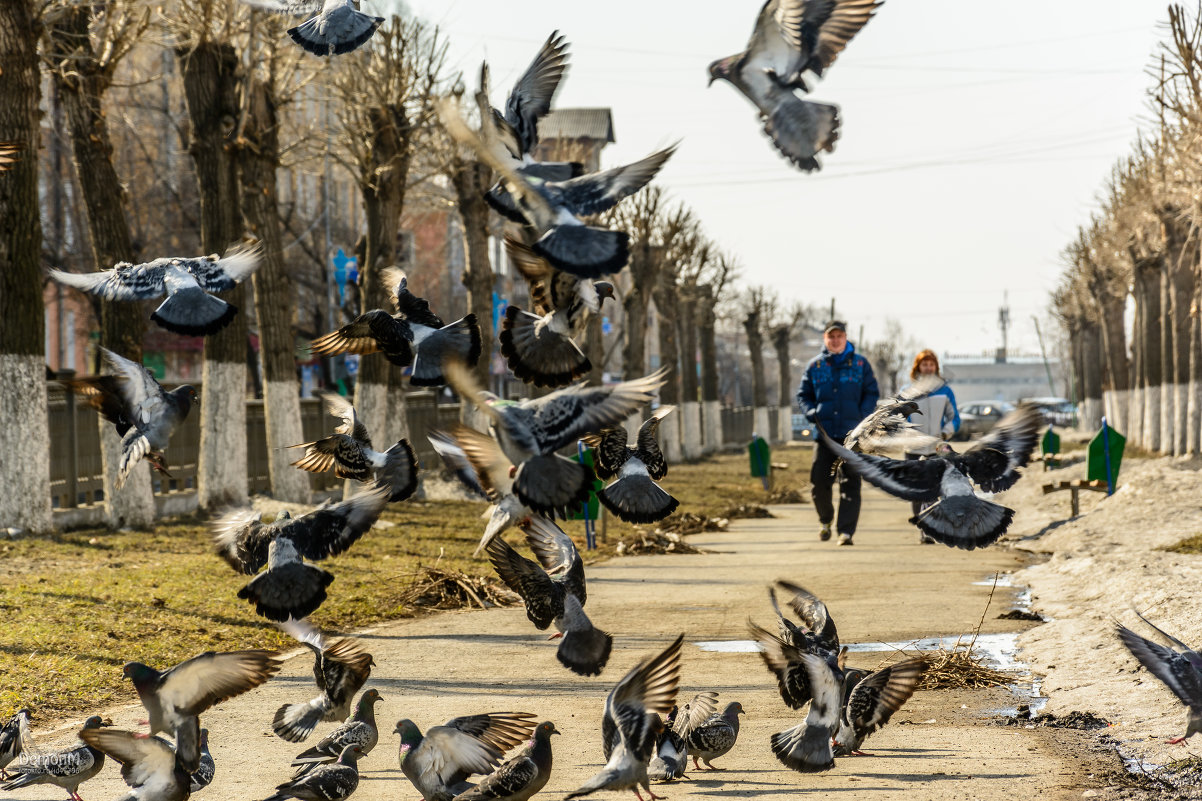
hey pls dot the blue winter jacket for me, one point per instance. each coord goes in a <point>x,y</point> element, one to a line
<point>838,392</point>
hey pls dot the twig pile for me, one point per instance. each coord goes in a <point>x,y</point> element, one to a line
<point>746,511</point>
<point>786,495</point>
<point>657,541</point>
<point>690,523</point>
<point>438,588</point>
<point>957,668</point>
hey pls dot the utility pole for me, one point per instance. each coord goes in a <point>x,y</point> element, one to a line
<point>832,309</point>
<point>1003,321</point>
<point>1043,351</point>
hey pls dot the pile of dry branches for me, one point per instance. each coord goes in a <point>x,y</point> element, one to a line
<point>691,523</point>
<point>658,541</point>
<point>439,588</point>
<point>786,495</point>
<point>957,668</point>
<point>746,511</point>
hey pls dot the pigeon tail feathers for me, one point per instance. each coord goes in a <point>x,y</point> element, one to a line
<point>638,499</point>
<point>801,129</point>
<point>538,355</point>
<point>551,484</point>
<point>193,312</point>
<point>585,251</point>
<point>804,748</point>
<point>964,521</point>
<point>399,472</point>
<point>291,590</point>
<point>336,33</point>
<point>460,339</point>
<point>585,652</point>
<point>134,448</point>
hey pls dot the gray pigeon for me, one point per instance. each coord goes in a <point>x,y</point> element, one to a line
<point>149,765</point>
<point>815,634</point>
<point>202,777</point>
<point>870,698</point>
<point>716,736</point>
<point>522,775</point>
<point>414,335</point>
<point>671,758</point>
<point>177,696</point>
<point>439,762</point>
<point>331,781</point>
<point>338,27</point>
<point>943,482</point>
<point>340,669</point>
<point>349,453</point>
<point>290,587</point>
<point>554,592</point>
<point>542,348</point>
<point>791,37</point>
<point>1179,667</point>
<point>635,497</point>
<point>531,431</point>
<point>359,731</point>
<point>632,722</point>
<point>16,738</point>
<point>807,747</point>
<point>888,424</point>
<point>189,308</point>
<point>67,768</point>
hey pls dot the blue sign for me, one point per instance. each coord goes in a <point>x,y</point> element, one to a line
<point>606,325</point>
<point>499,305</point>
<point>344,267</point>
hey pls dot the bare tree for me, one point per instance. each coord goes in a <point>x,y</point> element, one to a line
<point>758,307</point>
<point>890,353</point>
<point>782,331</point>
<point>709,294</point>
<point>641,217</point>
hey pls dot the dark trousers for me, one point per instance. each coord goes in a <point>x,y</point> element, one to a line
<point>821,481</point>
<point>916,506</point>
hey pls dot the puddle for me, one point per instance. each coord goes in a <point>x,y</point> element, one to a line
<point>1003,580</point>
<point>730,646</point>
<point>999,649</point>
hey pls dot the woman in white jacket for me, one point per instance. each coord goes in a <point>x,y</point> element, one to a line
<point>940,418</point>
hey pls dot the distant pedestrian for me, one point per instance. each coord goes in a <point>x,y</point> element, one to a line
<point>940,419</point>
<point>838,390</point>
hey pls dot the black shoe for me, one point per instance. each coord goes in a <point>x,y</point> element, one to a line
<point>824,533</point>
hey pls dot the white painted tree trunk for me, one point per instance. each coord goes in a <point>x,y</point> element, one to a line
<point>692,441</point>
<point>1117,406</point>
<point>1152,418</point>
<point>1181,443</point>
<point>281,410</point>
<point>711,422</point>
<point>132,506</point>
<point>786,423</point>
<point>222,467</point>
<point>1089,417</point>
<point>25,444</point>
<point>1194,416</point>
<point>761,428</point>
<point>669,437</point>
<point>1135,417</point>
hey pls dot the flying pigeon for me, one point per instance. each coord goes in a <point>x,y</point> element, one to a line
<point>331,781</point>
<point>522,775</point>
<point>952,513</point>
<point>816,635</point>
<point>67,768</point>
<point>554,208</point>
<point>439,762</point>
<point>359,731</point>
<point>716,736</point>
<point>148,764</point>
<point>16,738</point>
<point>632,722</point>
<point>290,587</point>
<point>349,453</point>
<point>144,414</point>
<point>791,37</point>
<point>554,592</point>
<point>531,431</point>
<point>340,668</point>
<point>414,335</point>
<point>202,777</point>
<point>177,696</point>
<point>338,28</point>
<point>1179,667</point>
<point>635,497</point>
<point>542,348</point>
<point>869,699</point>
<point>189,308</point>
<point>888,425</point>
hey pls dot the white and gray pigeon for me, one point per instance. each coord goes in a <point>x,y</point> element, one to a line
<point>671,758</point>
<point>792,37</point>
<point>530,432</point>
<point>202,777</point>
<point>413,336</point>
<point>359,731</point>
<point>340,668</point>
<point>635,497</point>
<point>716,736</point>
<point>522,775</point>
<point>542,348</point>
<point>330,781</point>
<point>554,592</point>
<point>149,765</point>
<point>175,698</point>
<point>888,425</point>
<point>439,762</point>
<point>807,747</point>
<point>338,25</point>
<point>189,308</point>
<point>16,738</point>
<point>1179,667</point>
<point>632,722</point>
<point>67,768</point>
<point>290,587</point>
<point>952,513</point>
<point>349,454</point>
<point>869,699</point>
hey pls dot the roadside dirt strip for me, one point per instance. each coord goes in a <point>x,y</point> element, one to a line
<point>885,588</point>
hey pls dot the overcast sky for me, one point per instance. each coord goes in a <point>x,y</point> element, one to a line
<point>975,139</point>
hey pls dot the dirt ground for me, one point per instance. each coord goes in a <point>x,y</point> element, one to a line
<point>886,588</point>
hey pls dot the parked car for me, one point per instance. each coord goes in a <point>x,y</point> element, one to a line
<point>1056,411</point>
<point>803,429</point>
<point>977,417</point>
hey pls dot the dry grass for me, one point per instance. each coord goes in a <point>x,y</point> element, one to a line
<point>1188,545</point>
<point>655,542</point>
<point>438,588</point>
<point>957,668</point>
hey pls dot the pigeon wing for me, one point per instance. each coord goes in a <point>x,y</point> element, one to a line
<point>296,7</point>
<point>352,425</point>
<point>807,748</point>
<point>330,531</point>
<point>123,282</point>
<point>143,396</point>
<point>143,759</point>
<point>1014,438</point>
<point>242,540</point>
<point>203,681</point>
<point>874,700</point>
<point>370,332</point>
<point>562,417</point>
<point>1171,667</point>
<point>223,274</point>
<point>830,24</point>
<point>810,609</point>
<point>455,460</point>
<point>483,453</point>
<point>542,596</point>
<point>611,450</point>
<point>413,308</point>
<point>336,452</point>
<point>600,191</point>
<point>695,713</point>
<point>909,480</point>
<point>531,97</point>
<point>784,661</point>
<point>649,687</point>
<point>557,554</point>
<point>648,444</point>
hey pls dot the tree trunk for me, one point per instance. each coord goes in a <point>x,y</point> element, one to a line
<point>81,83</point>
<point>471,180</point>
<point>1090,376</point>
<point>1116,387</point>
<point>1147,280</point>
<point>275,296</point>
<point>1135,405</point>
<point>755,345</point>
<point>692,439</point>
<point>711,403</point>
<point>667,310</point>
<point>25,438</point>
<point>1194,406</point>
<point>780,343</point>
<point>1181,294</point>
<point>210,75</point>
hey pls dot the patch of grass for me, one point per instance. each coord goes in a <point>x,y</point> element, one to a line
<point>1188,545</point>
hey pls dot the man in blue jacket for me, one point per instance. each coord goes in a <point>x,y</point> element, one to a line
<point>838,390</point>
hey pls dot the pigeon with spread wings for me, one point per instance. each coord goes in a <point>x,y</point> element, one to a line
<point>870,699</point>
<point>149,765</point>
<point>635,497</point>
<point>439,761</point>
<point>337,27</point>
<point>340,669</point>
<point>1179,667</point>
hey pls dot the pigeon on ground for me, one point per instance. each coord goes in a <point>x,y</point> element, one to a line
<point>149,765</point>
<point>189,308</point>
<point>340,668</point>
<point>16,738</point>
<point>554,208</point>
<point>8,154</point>
<point>635,497</point>
<point>144,414</point>
<point>816,634</point>
<point>290,587</point>
<point>554,593</point>
<point>330,781</point>
<point>791,37</point>
<point>359,731</point>
<point>522,775</point>
<point>349,454</point>
<point>338,27</point>
<point>542,348</point>
<point>177,696</point>
<point>807,747</point>
<point>671,758</point>
<point>414,335</point>
<point>439,762</point>
<point>888,425</point>
<point>1179,667</point>
<point>67,768</point>
<point>869,699</point>
<point>716,736</point>
<point>202,777</point>
<point>531,431</point>
<point>952,513</point>
<point>632,722</point>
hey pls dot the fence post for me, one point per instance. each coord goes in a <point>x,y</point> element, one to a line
<point>72,441</point>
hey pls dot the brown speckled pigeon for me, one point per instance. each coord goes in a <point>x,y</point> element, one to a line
<point>522,775</point>
<point>359,731</point>
<point>330,781</point>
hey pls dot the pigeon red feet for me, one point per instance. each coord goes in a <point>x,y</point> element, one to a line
<point>513,471</point>
<point>1176,740</point>
<point>556,635</point>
